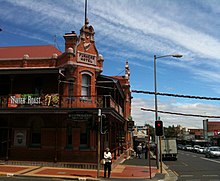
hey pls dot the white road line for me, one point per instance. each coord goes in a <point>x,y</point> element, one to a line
<point>176,173</point>
<point>210,175</point>
<point>184,164</point>
<point>186,175</point>
<point>210,160</point>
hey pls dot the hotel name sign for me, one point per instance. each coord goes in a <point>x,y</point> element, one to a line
<point>23,100</point>
<point>86,58</point>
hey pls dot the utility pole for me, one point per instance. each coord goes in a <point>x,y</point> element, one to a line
<point>99,142</point>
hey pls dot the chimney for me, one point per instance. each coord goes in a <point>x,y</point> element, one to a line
<point>70,40</point>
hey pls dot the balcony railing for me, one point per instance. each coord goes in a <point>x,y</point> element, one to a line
<point>56,101</point>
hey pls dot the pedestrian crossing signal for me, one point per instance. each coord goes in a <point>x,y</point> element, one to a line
<point>159,128</point>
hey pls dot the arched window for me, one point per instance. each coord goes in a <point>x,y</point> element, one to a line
<point>86,85</point>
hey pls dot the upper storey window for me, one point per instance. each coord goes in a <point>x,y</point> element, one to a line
<point>70,88</point>
<point>86,85</point>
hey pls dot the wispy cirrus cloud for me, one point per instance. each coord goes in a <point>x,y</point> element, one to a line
<point>174,106</point>
<point>135,30</point>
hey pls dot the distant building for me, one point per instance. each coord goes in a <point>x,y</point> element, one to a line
<point>213,133</point>
<point>50,100</point>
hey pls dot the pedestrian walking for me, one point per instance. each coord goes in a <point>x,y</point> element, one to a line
<point>108,162</point>
<point>145,150</point>
<point>146,153</point>
<point>139,150</point>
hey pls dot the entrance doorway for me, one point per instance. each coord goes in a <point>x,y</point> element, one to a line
<point>4,139</point>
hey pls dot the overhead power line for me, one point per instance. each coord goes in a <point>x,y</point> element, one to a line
<point>176,95</point>
<point>180,114</point>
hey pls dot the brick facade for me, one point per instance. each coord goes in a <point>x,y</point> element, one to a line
<point>50,101</point>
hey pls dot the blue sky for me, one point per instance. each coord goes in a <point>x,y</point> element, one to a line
<point>135,30</point>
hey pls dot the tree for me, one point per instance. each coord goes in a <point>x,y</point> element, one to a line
<point>152,133</point>
<point>171,131</point>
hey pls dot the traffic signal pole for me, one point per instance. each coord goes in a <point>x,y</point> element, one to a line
<point>161,162</point>
<point>99,142</point>
<point>159,133</point>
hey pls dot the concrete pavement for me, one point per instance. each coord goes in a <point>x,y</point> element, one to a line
<point>129,169</point>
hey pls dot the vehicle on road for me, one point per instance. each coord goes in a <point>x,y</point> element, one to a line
<point>213,151</point>
<point>201,150</point>
<point>169,148</point>
<point>196,148</point>
<point>188,148</point>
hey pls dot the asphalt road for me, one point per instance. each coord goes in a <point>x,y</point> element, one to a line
<point>192,166</point>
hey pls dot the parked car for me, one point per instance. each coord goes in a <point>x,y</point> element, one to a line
<point>213,151</point>
<point>180,147</point>
<point>196,148</point>
<point>201,150</point>
<point>188,148</point>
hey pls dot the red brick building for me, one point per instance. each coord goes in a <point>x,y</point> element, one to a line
<point>49,102</point>
<point>214,132</point>
<point>214,127</point>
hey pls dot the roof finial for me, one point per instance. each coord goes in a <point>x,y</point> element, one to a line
<point>127,70</point>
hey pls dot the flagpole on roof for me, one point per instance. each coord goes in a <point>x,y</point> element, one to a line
<point>85,11</point>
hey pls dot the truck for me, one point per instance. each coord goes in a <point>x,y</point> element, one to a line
<point>169,148</point>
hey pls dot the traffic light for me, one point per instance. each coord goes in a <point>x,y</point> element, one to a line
<point>130,125</point>
<point>159,128</point>
<point>104,124</point>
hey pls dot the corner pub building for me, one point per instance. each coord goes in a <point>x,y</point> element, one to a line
<point>49,103</point>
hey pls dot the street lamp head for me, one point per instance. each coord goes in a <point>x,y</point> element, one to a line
<point>170,55</point>
<point>177,56</point>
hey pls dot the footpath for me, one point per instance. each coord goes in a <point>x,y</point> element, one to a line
<point>129,169</point>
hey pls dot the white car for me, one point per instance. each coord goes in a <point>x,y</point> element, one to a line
<point>213,151</point>
<point>200,150</point>
<point>188,147</point>
<point>196,148</point>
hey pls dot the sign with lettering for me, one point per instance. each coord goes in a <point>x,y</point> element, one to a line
<point>80,116</point>
<point>86,58</point>
<point>18,100</point>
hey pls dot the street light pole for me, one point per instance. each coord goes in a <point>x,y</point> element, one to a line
<point>155,86</point>
<point>99,142</point>
<point>158,139</point>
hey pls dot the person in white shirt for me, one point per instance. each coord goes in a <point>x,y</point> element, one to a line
<point>108,162</point>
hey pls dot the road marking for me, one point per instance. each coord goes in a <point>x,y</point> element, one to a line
<point>210,160</point>
<point>10,174</point>
<point>210,175</point>
<point>176,173</point>
<point>184,164</point>
<point>186,175</point>
<point>194,156</point>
